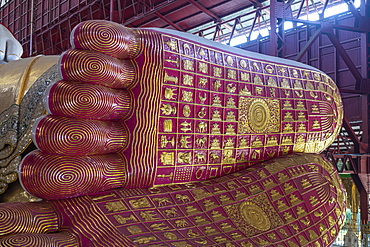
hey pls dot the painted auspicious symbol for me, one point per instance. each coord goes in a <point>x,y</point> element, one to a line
<point>165,142</point>
<point>149,215</point>
<point>243,64</point>
<point>256,154</point>
<point>186,48</point>
<point>230,129</point>
<point>244,76</point>
<point>316,124</point>
<point>168,109</point>
<point>301,127</point>
<point>202,98</point>
<point>295,73</point>
<point>170,235</point>
<point>184,157</point>
<point>215,144</point>
<point>286,140</point>
<point>230,116</point>
<point>315,109</point>
<point>243,143</point>
<point>271,82</point>
<point>217,71</point>
<point>172,44</point>
<point>229,143</point>
<point>287,105</point>
<point>188,64</point>
<point>282,70</point>
<point>230,103</point>
<point>186,111</point>
<point>301,116</point>
<point>203,67</point>
<point>184,141</point>
<point>201,158</point>
<point>187,80</point>
<point>299,93</point>
<point>230,60</point>
<point>168,158</point>
<point>169,93</point>
<point>297,85</point>
<point>201,142</point>
<point>288,127</point>
<point>314,95</point>
<point>215,129</point>
<point>255,66</point>
<point>257,80</point>
<point>310,86</point>
<point>134,229</point>
<point>216,115</point>
<point>285,83</point>
<point>173,79</point>
<point>269,68</point>
<point>216,101</point>
<point>231,88</point>
<point>259,90</point>
<point>187,96</point>
<point>231,74</point>
<point>176,61</point>
<point>201,52</point>
<point>272,141</point>
<point>217,85</point>
<point>202,82</point>
<point>202,112</point>
<point>139,203</point>
<point>185,126</point>
<point>257,142</point>
<point>115,206</point>
<point>167,125</point>
<point>300,106</point>
<point>123,220</point>
<point>202,127</point>
<point>288,117</point>
<point>245,91</point>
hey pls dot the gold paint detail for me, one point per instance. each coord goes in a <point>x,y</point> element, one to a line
<point>167,125</point>
<point>186,110</point>
<point>187,80</point>
<point>258,115</point>
<point>217,71</point>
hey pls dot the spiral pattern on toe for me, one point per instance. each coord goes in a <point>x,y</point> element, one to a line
<point>81,100</point>
<point>70,176</point>
<point>106,37</point>
<point>20,217</point>
<point>74,136</point>
<point>96,68</point>
<point>39,240</point>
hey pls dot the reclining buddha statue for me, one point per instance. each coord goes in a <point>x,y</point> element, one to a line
<point>154,137</point>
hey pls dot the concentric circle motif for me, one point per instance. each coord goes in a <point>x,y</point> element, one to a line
<point>258,116</point>
<point>254,216</point>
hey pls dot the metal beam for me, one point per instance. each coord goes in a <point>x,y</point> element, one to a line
<point>308,45</point>
<point>171,23</point>
<point>164,18</point>
<point>205,10</point>
<point>233,31</point>
<point>346,58</point>
<point>210,13</point>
